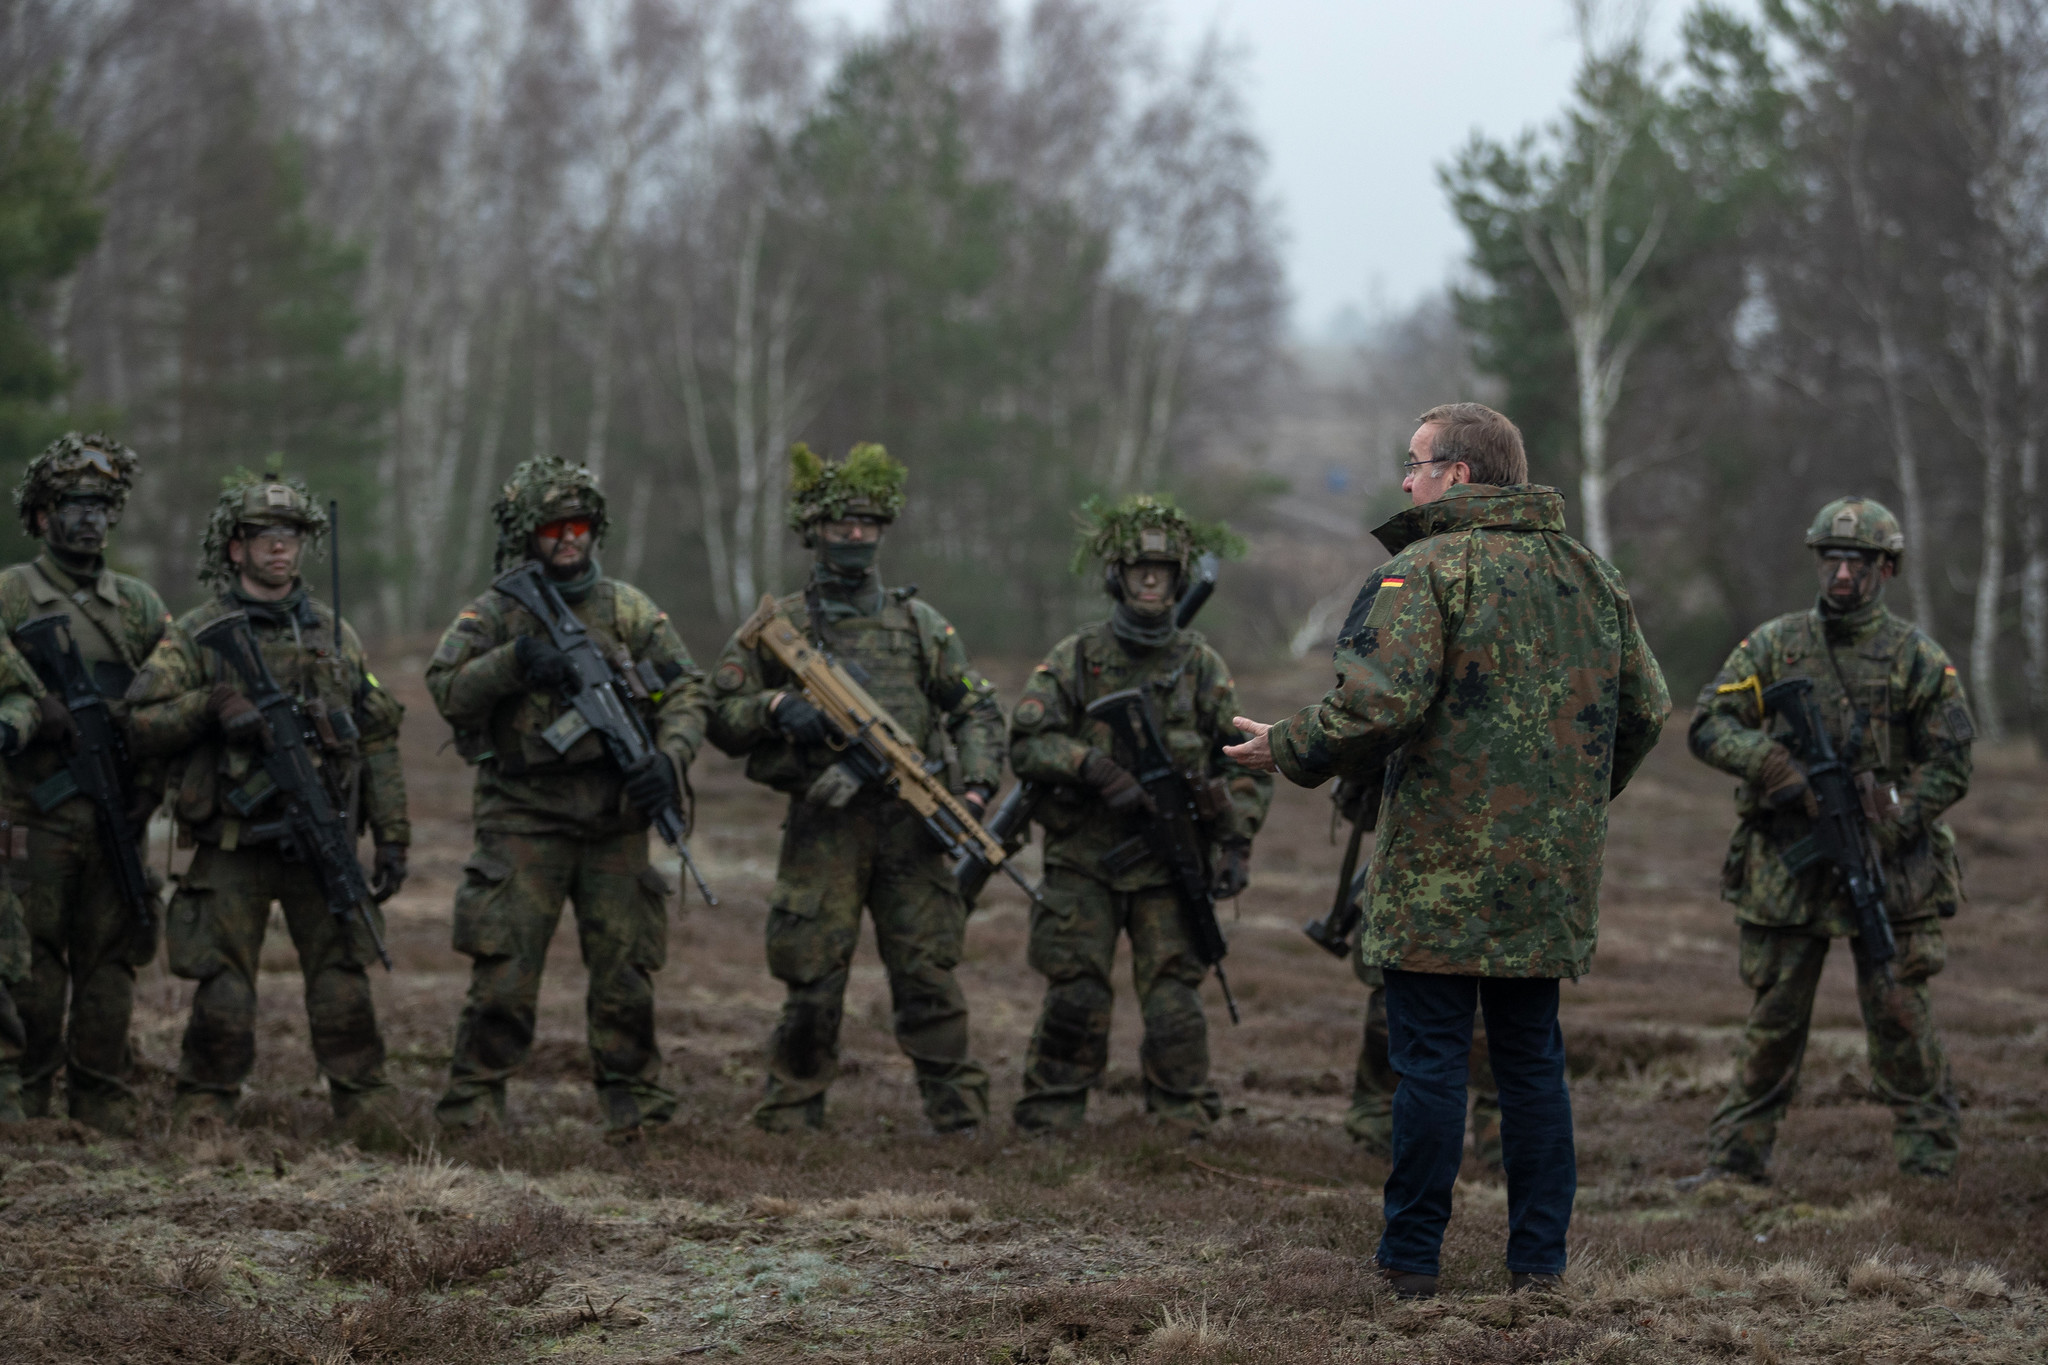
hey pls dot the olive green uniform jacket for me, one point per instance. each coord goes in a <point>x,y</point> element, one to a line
<point>65,928</point>
<point>1495,667</point>
<point>1884,680</point>
<point>523,786</point>
<point>1052,736</point>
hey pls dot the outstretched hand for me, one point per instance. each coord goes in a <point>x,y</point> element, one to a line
<point>1256,752</point>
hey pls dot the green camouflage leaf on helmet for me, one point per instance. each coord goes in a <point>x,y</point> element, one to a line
<point>867,483</point>
<point>542,490</point>
<point>1856,524</point>
<point>1147,526</point>
<point>271,498</point>
<point>74,464</point>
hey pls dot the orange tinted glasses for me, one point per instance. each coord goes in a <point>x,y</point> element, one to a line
<point>563,529</point>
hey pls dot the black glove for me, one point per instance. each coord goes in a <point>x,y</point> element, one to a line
<point>542,665</point>
<point>237,716</point>
<point>1783,781</point>
<point>803,722</point>
<point>1233,870</point>
<point>1114,784</point>
<point>387,872</point>
<point>651,784</point>
<point>976,796</point>
<point>54,725</point>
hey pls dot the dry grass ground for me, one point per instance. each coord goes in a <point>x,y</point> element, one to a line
<point>274,1242</point>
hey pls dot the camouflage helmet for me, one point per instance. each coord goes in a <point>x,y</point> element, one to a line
<point>1145,526</point>
<point>74,464</point>
<point>1857,524</point>
<point>867,483</point>
<point>271,498</point>
<point>542,490</point>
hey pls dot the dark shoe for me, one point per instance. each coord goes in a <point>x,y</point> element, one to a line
<point>1408,1284</point>
<point>1534,1282</point>
<point>1711,1175</point>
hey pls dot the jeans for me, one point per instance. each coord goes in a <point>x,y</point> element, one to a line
<point>1429,1025</point>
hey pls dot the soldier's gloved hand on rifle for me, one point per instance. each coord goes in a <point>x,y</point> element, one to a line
<point>1233,869</point>
<point>976,796</point>
<point>1118,789</point>
<point>542,665</point>
<point>387,872</point>
<point>54,725</point>
<point>651,783</point>
<point>797,718</point>
<point>1783,781</point>
<point>237,716</point>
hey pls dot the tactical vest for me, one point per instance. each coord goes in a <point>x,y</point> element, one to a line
<point>1168,674</point>
<point>517,738</point>
<point>222,793</point>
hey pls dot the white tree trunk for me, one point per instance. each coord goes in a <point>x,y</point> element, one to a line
<point>747,456</point>
<point>710,498</point>
<point>1990,582</point>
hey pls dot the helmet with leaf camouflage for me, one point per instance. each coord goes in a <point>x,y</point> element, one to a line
<point>1145,526</point>
<point>271,498</point>
<point>867,483</point>
<point>1857,524</point>
<point>89,464</point>
<point>542,490</point>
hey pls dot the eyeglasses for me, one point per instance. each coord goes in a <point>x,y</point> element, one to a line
<point>1410,466</point>
<point>564,529</point>
<point>275,535</point>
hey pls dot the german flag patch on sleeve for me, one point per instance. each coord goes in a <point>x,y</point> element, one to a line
<point>1386,600</point>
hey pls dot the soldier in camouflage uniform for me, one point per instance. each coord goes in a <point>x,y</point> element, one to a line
<point>1891,699</point>
<point>558,824</point>
<point>843,849</point>
<point>187,710</point>
<point>1143,547</point>
<point>85,936</point>
<point>1495,668</point>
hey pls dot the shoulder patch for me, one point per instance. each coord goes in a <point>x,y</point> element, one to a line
<point>1030,711</point>
<point>1385,602</point>
<point>1960,729</point>
<point>452,648</point>
<point>729,678</point>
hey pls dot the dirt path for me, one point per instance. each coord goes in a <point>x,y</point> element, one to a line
<point>877,1241</point>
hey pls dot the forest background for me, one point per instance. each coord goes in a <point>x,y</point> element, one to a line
<point>408,243</point>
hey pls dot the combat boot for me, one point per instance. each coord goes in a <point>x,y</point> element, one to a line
<point>471,1109</point>
<point>198,1108</point>
<point>1407,1284</point>
<point>111,1112</point>
<point>1534,1282</point>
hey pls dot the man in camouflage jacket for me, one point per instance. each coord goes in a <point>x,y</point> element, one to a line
<point>843,849</point>
<point>555,825</point>
<point>84,935</point>
<point>187,710</point>
<point>1094,805</point>
<point>1892,703</point>
<point>1494,666</point>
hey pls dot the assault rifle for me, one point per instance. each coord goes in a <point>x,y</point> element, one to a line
<point>1841,832</point>
<point>1011,822</point>
<point>876,749</point>
<point>601,693</point>
<point>1171,831</point>
<point>98,768</point>
<point>312,830</point>
<point>1360,804</point>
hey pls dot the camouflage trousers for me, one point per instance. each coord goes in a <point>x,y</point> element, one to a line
<point>1370,1121</point>
<point>1073,944</point>
<point>14,959</point>
<point>1908,1068</point>
<point>85,944</point>
<point>216,926</point>
<point>506,911</point>
<point>878,854</point>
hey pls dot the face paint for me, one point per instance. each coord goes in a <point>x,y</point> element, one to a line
<point>78,526</point>
<point>1850,578</point>
<point>1148,587</point>
<point>269,554</point>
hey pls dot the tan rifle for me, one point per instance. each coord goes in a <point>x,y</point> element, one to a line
<point>876,749</point>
